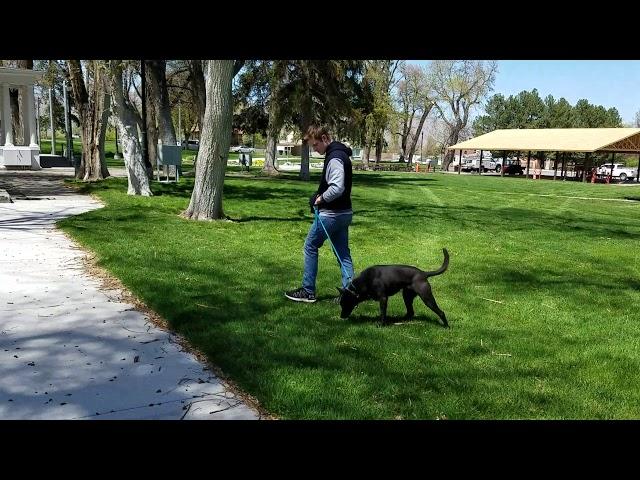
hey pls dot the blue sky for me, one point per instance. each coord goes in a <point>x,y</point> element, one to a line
<point>610,83</point>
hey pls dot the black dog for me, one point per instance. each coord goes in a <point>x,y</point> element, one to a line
<point>382,281</point>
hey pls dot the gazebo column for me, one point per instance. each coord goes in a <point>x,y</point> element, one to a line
<point>30,113</point>
<point>555,165</point>
<point>528,162</point>
<point>6,115</point>
<point>23,116</point>
<point>1,115</point>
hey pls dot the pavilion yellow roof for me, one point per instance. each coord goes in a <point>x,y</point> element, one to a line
<point>556,140</point>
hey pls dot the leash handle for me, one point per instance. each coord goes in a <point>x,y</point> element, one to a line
<point>335,251</point>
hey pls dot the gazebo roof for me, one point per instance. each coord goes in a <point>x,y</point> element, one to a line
<point>19,76</point>
<point>557,140</point>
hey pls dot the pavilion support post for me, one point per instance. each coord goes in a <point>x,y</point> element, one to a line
<point>638,170</point>
<point>504,161</point>
<point>613,158</point>
<point>555,166</point>
<point>480,165</point>
<point>587,161</point>
<point>460,162</point>
<point>528,162</point>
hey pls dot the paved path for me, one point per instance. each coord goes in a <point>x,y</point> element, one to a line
<point>70,349</point>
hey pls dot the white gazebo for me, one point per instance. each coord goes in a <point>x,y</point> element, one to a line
<point>12,155</point>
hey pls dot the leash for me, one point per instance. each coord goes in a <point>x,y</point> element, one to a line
<point>317,216</point>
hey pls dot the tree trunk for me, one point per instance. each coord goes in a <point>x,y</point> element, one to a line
<point>90,104</point>
<point>414,142</point>
<point>152,131</point>
<point>378,149</point>
<point>206,199</point>
<point>273,130</point>
<point>158,77</point>
<point>365,156</point>
<point>106,113</point>
<point>453,139</point>
<point>199,89</point>
<point>16,121</point>
<point>306,121</point>
<point>304,161</point>
<point>128,130</point>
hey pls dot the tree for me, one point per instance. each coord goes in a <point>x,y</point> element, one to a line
<point>181,95</point>
<point>460,85</point>
<point>206,199</point>
<point>495,116</point>
<point>258,94</point>
<point>197,80</point>
<point>379,80</point>
<point>319,91</point>
<point>160,98</point>
<point>127,124</point>
<point>586,115</point>
<point>558,114</point>
<point>416,98</point>
<point>92,102</point>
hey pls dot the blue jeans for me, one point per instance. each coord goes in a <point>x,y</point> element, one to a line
<point>338,228</point>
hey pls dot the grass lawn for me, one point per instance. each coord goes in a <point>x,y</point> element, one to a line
<point>542,293</point>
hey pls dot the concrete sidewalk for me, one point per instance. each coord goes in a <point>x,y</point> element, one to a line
<point>71,350</point>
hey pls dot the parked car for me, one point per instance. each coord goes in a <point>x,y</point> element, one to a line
<point>235,149</point>
<point>513,169</point>
<point>246,150</point>
<point>190,144</point>
<point>619,171</point>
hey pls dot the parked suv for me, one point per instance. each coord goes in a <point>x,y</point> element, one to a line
<point>513,169</point>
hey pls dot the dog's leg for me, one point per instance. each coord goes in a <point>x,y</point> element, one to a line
<point>424,291</point>
<point>408,295</point>
<point>383,311</point>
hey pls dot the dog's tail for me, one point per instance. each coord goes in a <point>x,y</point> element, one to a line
<point>444,266</point>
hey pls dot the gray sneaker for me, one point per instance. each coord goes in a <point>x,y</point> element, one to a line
<point>300,295</point>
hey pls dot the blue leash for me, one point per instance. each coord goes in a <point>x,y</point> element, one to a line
<point>317,215</point>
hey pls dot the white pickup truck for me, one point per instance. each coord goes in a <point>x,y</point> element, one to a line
<point>619,171</point>
<point>473,164</point>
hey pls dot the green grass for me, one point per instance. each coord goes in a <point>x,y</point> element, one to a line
<point>542,294</point>
<point>109,148</point>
